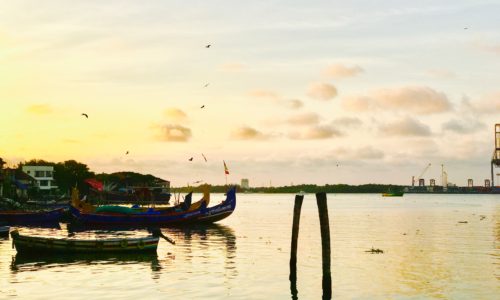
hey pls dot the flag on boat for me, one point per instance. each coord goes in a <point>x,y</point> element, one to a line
<point>226,170</point>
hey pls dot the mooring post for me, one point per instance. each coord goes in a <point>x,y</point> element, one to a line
<point>325,244</point>
<point>293,253</point>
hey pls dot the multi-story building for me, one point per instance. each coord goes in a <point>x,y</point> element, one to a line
<point>44,176</point>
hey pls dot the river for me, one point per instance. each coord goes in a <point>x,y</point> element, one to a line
<point>434,247</point>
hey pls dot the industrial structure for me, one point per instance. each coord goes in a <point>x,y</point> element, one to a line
<point>495,160</point>
<point>490,186</point>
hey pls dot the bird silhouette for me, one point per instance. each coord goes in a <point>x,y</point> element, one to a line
<point>85,115</point>
<point>191,159</point>
<point>466,28</point>
<point>208,46</point>
<point>206,84</point>
<point>204,157</point>
<point>203,106</point>
<point>126,153</point>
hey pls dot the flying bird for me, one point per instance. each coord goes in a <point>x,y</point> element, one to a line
<point>126,153</point>
<point>206,84</point>
<point>466,28</point>
<point>85,115</point>
<point>204,157</point>
<point>203,106</point>
<point>191,159</point>
<point>208,46</point>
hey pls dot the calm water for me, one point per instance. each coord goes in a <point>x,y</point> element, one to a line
<point>427,254</point>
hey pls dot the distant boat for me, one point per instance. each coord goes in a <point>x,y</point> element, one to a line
<point>393,194</point>
<point>35,244</point>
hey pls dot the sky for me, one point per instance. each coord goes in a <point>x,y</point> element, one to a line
<point>320,92</point>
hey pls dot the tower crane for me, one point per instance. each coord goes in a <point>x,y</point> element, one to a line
<point>419,176</point>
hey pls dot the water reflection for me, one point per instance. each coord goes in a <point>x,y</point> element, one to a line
<point>38,261</point>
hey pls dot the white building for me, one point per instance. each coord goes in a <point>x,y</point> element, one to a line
<point>244,183</point>
<point>44,176</point>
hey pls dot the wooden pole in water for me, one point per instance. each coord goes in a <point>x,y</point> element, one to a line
<point>293,253</point>
<point>325,244</point>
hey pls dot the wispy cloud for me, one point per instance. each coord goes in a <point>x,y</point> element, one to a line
<point>347,122</point>
<point>315,133</point>
<point>173,133</point>
<point>366,152</point>
<point>175,115</point>
<point>487,104</point>
<point>339,71</point>
<point>417,99</point>
<point>39,109</point>
<point>405,127</point>
<point>322,91</point>
<point>264,95</point>
<point>441,74</point>
<point>304,119</point>
<point>248,133</point>
<point>293,103</point>
<point>232,67</point>
<point>463,126</point>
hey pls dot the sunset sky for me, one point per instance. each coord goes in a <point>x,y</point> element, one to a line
<point>298,91</point>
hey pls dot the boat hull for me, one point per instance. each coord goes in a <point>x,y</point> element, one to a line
<point>26,217</point>
<point>200,215</point>
<point>32,244</point>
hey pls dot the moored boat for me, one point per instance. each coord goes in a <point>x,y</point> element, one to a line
<point>4,230</point>
<point>12,217</point>
<point>33,244</point>
<point>185,213</point>
<point>393,194</point>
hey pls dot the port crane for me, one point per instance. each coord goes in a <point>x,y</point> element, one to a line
<point>420,176</point>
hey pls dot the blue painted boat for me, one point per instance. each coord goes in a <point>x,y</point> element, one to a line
<point>16,217</point>
<point>191,214</point>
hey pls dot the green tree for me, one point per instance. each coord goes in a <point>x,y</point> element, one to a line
<point>70,173</point>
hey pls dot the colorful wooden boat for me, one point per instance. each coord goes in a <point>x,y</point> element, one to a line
<point>34,244</point>
<point>197,212</point>
<point>12,217</point>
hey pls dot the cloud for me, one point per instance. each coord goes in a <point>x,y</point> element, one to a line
<point>339,71</point>
<point>175,115</point>
<point>441,74</point>
<point>405,127</point>
<point>347,122</point>
<point>304,119</point>
<point>39,109</point>
<point>488,46</point>
<point>322,91</point>
<point>315,133</point>
<point>463,126</point>
<point>232,67</point>
<point>366,152</point>
<point>174,133</point>
<point>247,133</point>
<point>293,103</point>
<point>417,99</point>
<point>488,104</point>
<point>264,94</point>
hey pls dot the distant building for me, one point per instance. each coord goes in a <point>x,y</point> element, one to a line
<point>244,183</point>
<point>43,175</point>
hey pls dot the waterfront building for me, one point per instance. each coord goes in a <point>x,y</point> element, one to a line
<point>43,175</point>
